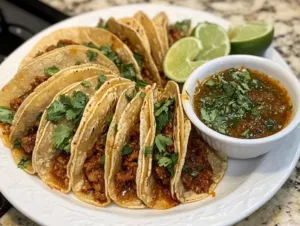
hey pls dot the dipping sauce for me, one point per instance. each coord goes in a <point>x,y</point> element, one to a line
<point>243,103</point>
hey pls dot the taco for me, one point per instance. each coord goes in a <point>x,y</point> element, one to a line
<point>200,168</point>
<point>92,152</point>
<point>26,126</point>
<point>65,119</point>
<point>46,66</point>
<point>125,172</point>
<point>161,24</point>
<point>132,33</point>
<point>155,39</point>
<point>162,149</point>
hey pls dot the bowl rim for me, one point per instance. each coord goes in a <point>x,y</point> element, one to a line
<point>189,110</point>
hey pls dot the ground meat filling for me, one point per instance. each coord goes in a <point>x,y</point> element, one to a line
<point>125,179</point>
<point>16,102</point>
<point>60,43</point>
<point>59,168</point>
<point>28,141</point>
<point>197,172</point>
<point>93,170</point>
<point>161,175</point>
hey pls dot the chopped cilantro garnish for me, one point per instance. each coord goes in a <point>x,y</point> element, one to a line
<point>23,163</point>
<point>102,159</point>
<point>142,94</point>
<point>92,55</point>
<point>129,97</point>
<point>194,173</point>
<point>183,26</point>
<point>110,54</point>
<point>109,118</point>
<point>102,79</point>
<point>139,59</point>
<point>49,71</point>
<point>17,143</point>
<point>6,115</point>
<point>62,137</point>
<point>162,142</point>
<point>101,24</point>
<point>90,45</point>
<point>148,150</point>
<point>70,108</point>
<point>77,62</point>
<point>127,150</point>
<point>163,113</point>
<point>86,84</point>
<point>127,71</point>
<point>56,112</point>
<point>140,83</point>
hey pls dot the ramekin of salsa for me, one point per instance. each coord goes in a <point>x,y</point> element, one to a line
<point>242,105</point>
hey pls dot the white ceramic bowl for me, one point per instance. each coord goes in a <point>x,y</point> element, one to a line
<point>236,147</point>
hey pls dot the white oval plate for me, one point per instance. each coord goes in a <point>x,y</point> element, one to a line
<point>247,184</point>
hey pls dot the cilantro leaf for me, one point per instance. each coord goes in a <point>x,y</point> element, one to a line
<point>86,84</point>
<point>139,59</point>
<point>62,137</point>
<point>102,79</point>
<point>148,150</point>
<point>162,142</point>
<point>164,161</point>
<point>127,150</point>
<point>183,26</point>
<point>127,71</point>
<point>110,54</point>
<point>140,83</point>
<point>77,62</point>
<point>17,143</point>
<point>6,115</point>
<point>56,112</point>
<point>142,94</point>
<point>90,45</point>
<point>49,71</point>
<point>79,99</point>
<point>91,55</point>
<point>162,112</point>
<point>129,97</point>
<point>23,163</point>
<point>109,118</point>
<point>102,159</point>
<point>101,24</point>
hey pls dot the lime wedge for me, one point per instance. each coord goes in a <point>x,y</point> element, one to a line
<point>214,39</point>
<point>252,38</point>
<point>179,61</point>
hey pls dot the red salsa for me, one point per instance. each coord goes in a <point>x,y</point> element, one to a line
<point>243,103</point>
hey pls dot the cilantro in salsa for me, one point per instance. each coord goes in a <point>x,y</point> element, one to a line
<point>243,103</point>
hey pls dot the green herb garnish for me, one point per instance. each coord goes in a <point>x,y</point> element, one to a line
<point>62,137</point>
<point>86,84</point>
<point>17,143</point>
<point>51,70</point>
<point>23,163</point>
<point>6,115</point>
<point>102,159</point>
<point>183,26</point>
<point>127,150</point>
<point>92,55</point>
<point>139,59</point>
<point>148,150</point>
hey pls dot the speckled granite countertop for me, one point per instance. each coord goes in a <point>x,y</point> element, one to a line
<point>284,207</point>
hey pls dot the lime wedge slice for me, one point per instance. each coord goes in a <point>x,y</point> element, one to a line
<point>179,61</point>
<point>252,38</point>
<point>214,39</point>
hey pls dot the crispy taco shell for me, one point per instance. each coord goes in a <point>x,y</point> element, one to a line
<point>161,22</point>
<point>80,35</point>
<point>151,193</point>
<point>126,30</point>
<point>45,154</point>
<point>155,40</point>
<point>36,103</point>
<point>217,162</point>
<point>121,190</point>
<point>24,81</point>
<point>94,130</point>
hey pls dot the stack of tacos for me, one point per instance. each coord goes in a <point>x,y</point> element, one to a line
<point>90,111</point>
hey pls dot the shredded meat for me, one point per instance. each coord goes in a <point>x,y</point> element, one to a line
<point>28,141</point>
<point>174,35</point>
<point>60,43</point>
<point>59,168</point>
<point>161,174</point>
<point>94,171</point>
<point>197,173</point>
<point>125,179</point>
<point>5,128</point>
